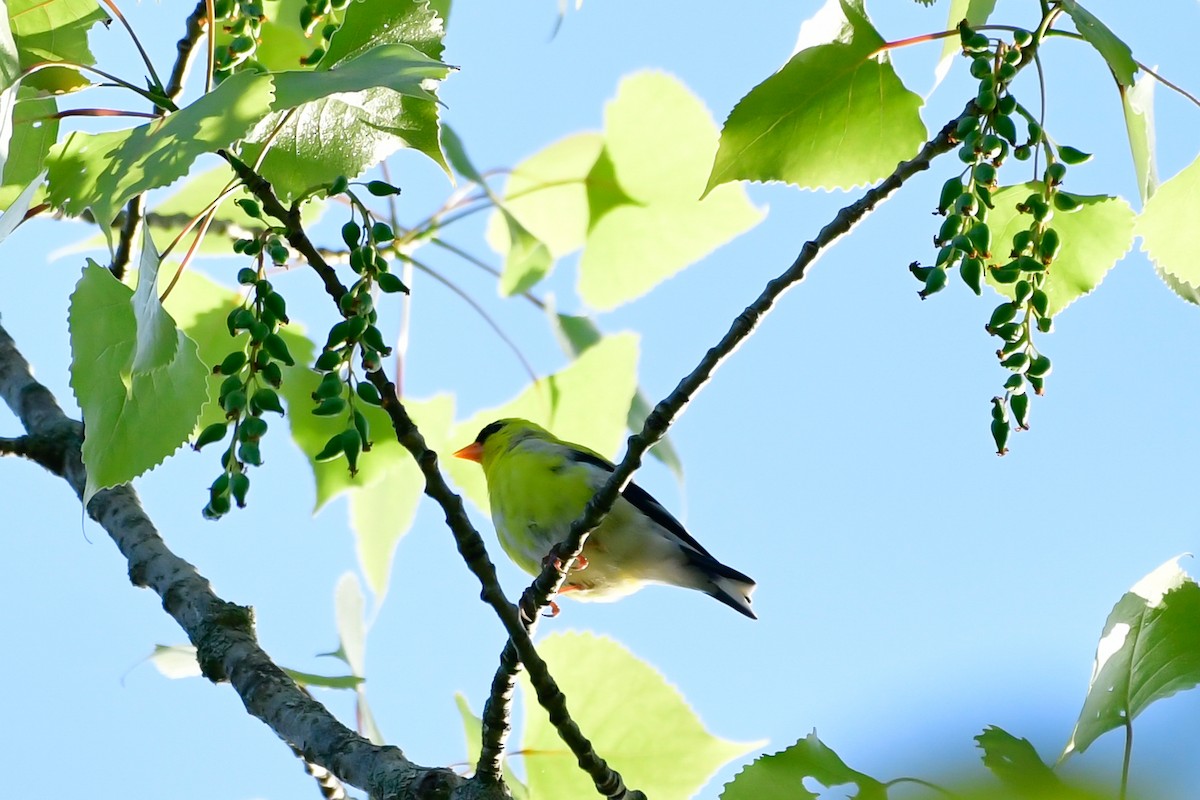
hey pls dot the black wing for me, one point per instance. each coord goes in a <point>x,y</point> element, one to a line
<point>644,502</point>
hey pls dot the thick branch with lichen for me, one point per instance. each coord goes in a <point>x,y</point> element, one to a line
<point>222,632</point>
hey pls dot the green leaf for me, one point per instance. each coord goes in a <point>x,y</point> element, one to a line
<point>577,334</point>
<point>585,402</point>
<point>1113,50</point>
<point>1094,239</point>
<point>307,679</point>
<point>282,43</point>
<point>835,116</point>
<point>548,194</point>
<point>1016,763</point>
<point>103,170</point>
<point>456,153</point>
<point>360,128</point>
<point>527,262</point>
<point>1138,103</point>
<point>382,512</point>
<point>976,13</point>
<point>781,775</point>
<point>33,133</point>
<point>349,613</point>
<point>54,30</point>
<point>641,724</point>
<point>1150,649</point>
<point>14,215</point>
<point>1170,236</point>
<point>398,67</point>
<point>141,396</point>
<point>473,728</point>
<point>660,139</point>
<point>175,661</point>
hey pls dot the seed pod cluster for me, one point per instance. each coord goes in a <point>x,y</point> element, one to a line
<point>323,14</point>
<point>252,377</point>
<point>986,138</point>
<point>242,20</point>
<point>341,390</point>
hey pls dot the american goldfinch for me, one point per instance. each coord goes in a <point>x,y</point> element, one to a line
<point>538,485</point>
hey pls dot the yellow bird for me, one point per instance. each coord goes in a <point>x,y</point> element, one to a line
<point>538,485</point>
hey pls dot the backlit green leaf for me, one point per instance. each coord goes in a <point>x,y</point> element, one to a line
<point>1115,52</point>
<point>781,776</point>
<point>1150,649</point>
<point>976,13</point>
<point>1094,238</point>
<point>135,417</point>
<point>835,116</point>
<point>1170,236</point>
<point>641,724</point>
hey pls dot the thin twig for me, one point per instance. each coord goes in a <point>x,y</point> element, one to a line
<point>116,12</point>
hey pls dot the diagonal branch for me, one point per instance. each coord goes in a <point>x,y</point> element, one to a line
<point>222,632</point>
<point>496,724</point>
<point>470,544</point>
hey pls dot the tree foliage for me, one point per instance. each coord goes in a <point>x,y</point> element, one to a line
<point>300,101</point>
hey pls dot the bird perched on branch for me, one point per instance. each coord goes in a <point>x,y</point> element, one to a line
<point>538,485</point>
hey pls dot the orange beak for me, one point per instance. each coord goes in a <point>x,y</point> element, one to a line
<point>472,452</point>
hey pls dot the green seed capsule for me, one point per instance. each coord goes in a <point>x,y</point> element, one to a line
<point>1039,301</point>
<point>370,360</point>
<point>241,319</point>
<point>1022,241</point>
<point>212,433</point>
<point>981,66</point>
<point>1009,332</point>
<point>330,359</point>
<point>1022,38</point>
<point>259,331</point>
<point>1055,173</point>
<point>330,386</point>
<point>368,393</point>
<point>934,283</point>
<point>1006,72</point>
<point>331,450</point>
<point>1004,313</point>
<point>382,232</point>
<point>1069,155</point>
<point>1040,367</point>
<point>247,276</point>
<point>358,260</point>
<point>364,429</point>
<point>1028,264</point>
<point>1020,409</point>
<point>1009,273</point>
<point>272,374</point>
<point>329,407</point>
<point>951,189</point>
<point>1015,385</point>
<point>252,429</point>
<point>352,235</point>
<point>234,403</point>
<point>278,306</point>
<point>965,126</point>
<point>985,174</point>
<point>339,333</point>
<point>1006,106</point>
<point>1017,362</point>
<point>382,189</point>
<point>1045,325</point>
<point>1050,245</point>
<point>1021,292</point>
<point>946,257</point>
<point>1004,125</point>
<point>239,484</point>
<point>266,399</point>
<point>980,237</point>
<point>999,411</point>
<point>966,204</point>
<point>919,272</point>
<point>1022,152</point>
<point>249,453</point>
<point>1000,436</point>
<point>985,99</point>
<point>351,446</point>
<point>249,206</point>
<point>390,284</point>
<point>278,348</point>
<point>971,271</point>
<point>232,364</point>
<point>339,185</point>
<point>356,326</point>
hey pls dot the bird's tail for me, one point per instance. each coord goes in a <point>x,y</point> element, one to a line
<point>726,584</point>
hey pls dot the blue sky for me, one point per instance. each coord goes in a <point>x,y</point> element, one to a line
<point>913,587</point>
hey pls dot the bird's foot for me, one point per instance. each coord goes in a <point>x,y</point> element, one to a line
<point>551,611</point>
<point>581,563</point>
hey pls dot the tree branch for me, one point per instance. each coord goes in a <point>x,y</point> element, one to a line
<point>222,632</point>
<point>470,544</point>
<point>496,723</point>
